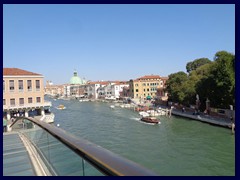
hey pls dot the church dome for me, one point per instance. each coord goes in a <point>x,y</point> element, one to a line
<point>75,79</point>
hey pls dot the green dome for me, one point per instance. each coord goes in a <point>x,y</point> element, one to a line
<point>75,79</point>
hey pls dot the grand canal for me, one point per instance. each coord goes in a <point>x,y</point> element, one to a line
<point>175,147</point>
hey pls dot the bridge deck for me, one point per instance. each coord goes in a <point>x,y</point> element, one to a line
<point>16,161</point>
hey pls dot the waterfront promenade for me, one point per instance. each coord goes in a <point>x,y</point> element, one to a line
<point>225,122</point>
<point>214,120</point>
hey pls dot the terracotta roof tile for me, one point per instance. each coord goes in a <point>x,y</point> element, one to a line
<point>150,77</point>
<point>98,82</point>
<point>166,78</point>
<point>121,83</point>
<point>17,72</point>
<point>107,82</point>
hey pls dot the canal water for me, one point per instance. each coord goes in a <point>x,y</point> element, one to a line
<point>176,147</point>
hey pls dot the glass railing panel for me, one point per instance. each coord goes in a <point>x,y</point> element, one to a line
<point>57,157</point>
<point>66,155</point>
<point>89,170</point>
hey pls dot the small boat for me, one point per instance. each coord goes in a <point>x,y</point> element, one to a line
<point>112,106</point>
<point>61,107</point>
<point>149,119</point>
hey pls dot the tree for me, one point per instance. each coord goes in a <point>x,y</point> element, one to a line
<point>175,85</point>
<point>224,74</point>
<point>218,82</point>
<point>196,64</point>
<point>214,80</point>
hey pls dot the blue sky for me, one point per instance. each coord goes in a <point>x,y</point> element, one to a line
<point>113,42</point>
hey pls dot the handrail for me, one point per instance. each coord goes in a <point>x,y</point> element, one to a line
<point>102,159</point>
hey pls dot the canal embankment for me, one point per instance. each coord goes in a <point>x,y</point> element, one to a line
<point>224,122</point>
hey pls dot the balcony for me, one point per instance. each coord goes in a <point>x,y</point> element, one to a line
<point>26,106</point>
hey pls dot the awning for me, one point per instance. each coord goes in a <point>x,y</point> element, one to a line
<point>149,97</point>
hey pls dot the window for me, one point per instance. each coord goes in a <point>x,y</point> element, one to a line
<point>20,85</point>
<point>153,89</point>
<point>136,90</point>
<point>147,89</point>
<point>37,85</point>
<point>144,84</point>
<point>136,85</point>
<point>144,90</point>
<point>12,102</point>
<point>4,102</point>
<point>38,99</point>
<point>29,100</point>
<point>29,85</point>
<point>11,85</point>
<point>3,85</point>
<point>21,101</point>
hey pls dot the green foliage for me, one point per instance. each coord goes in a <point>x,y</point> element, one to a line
<point>175,86</point>
<point>224,74</point>
<point>196,64</point>
<point>213,80</point>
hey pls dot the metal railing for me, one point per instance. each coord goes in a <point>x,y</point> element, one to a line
<point>103,160</point>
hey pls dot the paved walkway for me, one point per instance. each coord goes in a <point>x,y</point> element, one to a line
<point>219,121</point>
<point>16,160</point>
<point>204,118</point>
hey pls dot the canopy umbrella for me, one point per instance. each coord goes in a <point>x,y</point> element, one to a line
<point>149,97</point>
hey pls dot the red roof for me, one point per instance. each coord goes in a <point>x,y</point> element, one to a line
<point>107,82</point>
<point>165,78</point>
<point>17,72</point>
<point>98,82</point>
<point>121,83</point>
<point>150,77</point>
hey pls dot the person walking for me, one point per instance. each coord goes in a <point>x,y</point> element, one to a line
<point>183,109</point>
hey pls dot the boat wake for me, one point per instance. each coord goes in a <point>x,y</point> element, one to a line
<point>136,119</point>
<point>60,108</point>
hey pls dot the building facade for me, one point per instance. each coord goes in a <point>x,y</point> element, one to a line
<point>146,87</point>
<point>117,89</point>
<point>54,90</point>
<point>23,92</point>
<point>75,88</point>
<point>106,89</point>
